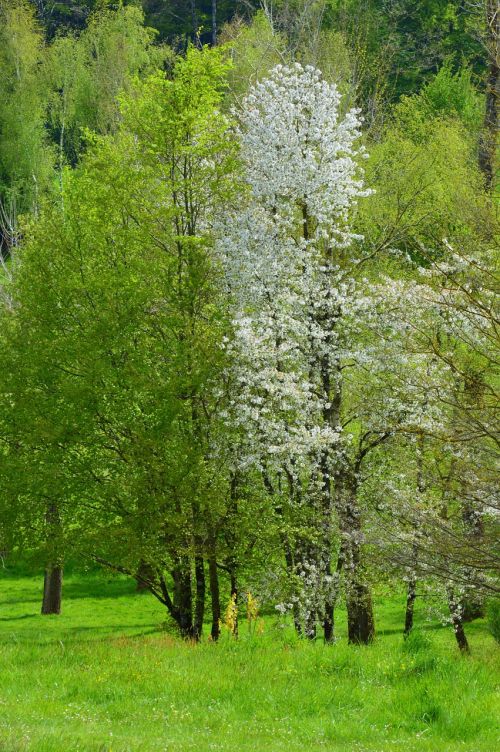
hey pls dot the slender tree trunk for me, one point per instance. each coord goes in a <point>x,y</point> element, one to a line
<point>199,571</point>
<point>52,583</point>
<point>456,620</point>
<point>329,622</point>
<point>411,595</point>
<point>214,22</point>
<point>183,597</point>
<point>488,146</point>
<point>52,589</point>
<point>194,21</point>
<point>214,592</point>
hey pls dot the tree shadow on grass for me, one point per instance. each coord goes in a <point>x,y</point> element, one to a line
<point>93,587</point>
<point>17,618</point>
<point>418,627</point>
<point>70,635</point>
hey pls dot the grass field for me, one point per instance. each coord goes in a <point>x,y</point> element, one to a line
<point>105,676</point>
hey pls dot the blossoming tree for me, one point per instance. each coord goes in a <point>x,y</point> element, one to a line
<point>288,258</point>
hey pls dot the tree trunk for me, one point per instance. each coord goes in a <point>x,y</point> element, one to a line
<point>329,623</point>
<point>360,621</point>
<point>214,22</point>
<point>52,589</point>
<point>194,21</point>
<point>199,570</point>
<point>456,620</point>
<point>214,593</point>
<point>488,145</point>
<point>183,597</point>
<point>411,594</point>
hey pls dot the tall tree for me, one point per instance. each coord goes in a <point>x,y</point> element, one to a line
<point>286,254</point>
<point>124,347</point>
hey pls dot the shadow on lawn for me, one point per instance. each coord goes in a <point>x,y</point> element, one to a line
<point>399,630</point>
<point>93,587</point>
<point>71,635</point>
<point>17,618</point>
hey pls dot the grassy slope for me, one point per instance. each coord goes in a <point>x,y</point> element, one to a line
<point>104,677</point>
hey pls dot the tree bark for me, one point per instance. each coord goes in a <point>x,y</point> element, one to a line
<point>183,597</point>
<point>194,21</point>
<point>360,621</point>
<point>214,22</point>
<point>52,589</point>
<point>456,620</point>
<point>199,571</point>
<point>411,595</point>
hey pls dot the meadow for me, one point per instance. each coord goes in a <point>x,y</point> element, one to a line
<point>108,675</point>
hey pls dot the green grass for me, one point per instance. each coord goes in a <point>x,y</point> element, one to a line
<point>105,676</point>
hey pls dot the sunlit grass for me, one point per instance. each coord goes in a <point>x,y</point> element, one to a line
<point>105,676</point>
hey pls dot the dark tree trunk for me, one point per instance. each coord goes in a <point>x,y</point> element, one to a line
<point>488,146</point>
<point>214,593</point>
<point>329,623</point>
<point>194,21</point>
<point>360,621</point>
<point>52,589</point>
<point>214,22</point>
<point>411,595</point>
<point>456,620</point>
<point>52,583</point>
<point>199,571</point>
<point>183,597</point>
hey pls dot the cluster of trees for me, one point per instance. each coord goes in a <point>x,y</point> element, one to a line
<point>247,343</point>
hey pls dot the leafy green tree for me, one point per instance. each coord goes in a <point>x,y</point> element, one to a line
<point>118,333</point>
<point>87,73</point>
<point>25,155</point>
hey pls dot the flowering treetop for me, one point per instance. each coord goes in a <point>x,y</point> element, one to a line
<point>299,150</point>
